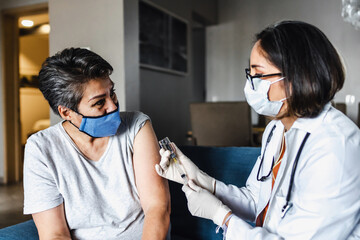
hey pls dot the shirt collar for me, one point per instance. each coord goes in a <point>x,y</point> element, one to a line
<point>310,124</point>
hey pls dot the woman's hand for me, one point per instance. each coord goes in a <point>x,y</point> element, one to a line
<point>167,169</point>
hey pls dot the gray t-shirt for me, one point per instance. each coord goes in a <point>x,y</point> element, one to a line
<point>100,197</point>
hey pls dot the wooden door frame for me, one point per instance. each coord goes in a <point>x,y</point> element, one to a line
<point>10,65</point>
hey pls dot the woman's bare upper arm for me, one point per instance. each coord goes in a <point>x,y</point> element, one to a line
<point>153,189</point>
<point>51,224</point>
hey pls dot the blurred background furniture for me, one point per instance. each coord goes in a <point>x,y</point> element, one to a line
<point>339,106</point>
<point>259,128</point>
<point>221,124</point>
<point>359,115</point>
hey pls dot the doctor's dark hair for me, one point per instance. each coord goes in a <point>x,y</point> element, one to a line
<point>311,66</point>
<point>63,77</point>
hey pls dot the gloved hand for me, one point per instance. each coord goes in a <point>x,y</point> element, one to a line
<point>167,169</point>
<point>202,203</point>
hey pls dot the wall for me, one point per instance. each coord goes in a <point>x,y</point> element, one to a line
<point>132,71</point>
<point>4,5</point>
<point>229,43</point>
<point>94,24</point>
<point>34,49</point>
<point>165,97</point>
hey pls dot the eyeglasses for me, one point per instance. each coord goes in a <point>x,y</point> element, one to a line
<point>250,78</point>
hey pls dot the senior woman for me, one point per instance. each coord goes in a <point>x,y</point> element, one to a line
<point>91,176</point>
<point>305,184</point>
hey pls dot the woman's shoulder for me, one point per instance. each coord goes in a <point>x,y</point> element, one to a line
<point>336,132</point>
<point>338,124</point>
<point>131,123</point>
<point>132,117</point>
<point>329,124</point>
<point>50,134</point>
<point>43,145</point>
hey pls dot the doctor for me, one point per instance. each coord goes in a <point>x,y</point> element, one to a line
<point>305,184</point>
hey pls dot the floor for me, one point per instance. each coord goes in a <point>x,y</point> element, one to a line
<point>11,205</point>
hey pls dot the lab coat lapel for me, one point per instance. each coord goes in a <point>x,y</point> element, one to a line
<point>293,140</point>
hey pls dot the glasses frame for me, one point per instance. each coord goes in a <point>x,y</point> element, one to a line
<point>250,77</point>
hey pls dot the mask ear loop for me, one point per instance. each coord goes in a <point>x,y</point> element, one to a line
<point>280,79</point>
<point>78,114</point>
<point>73,124</point>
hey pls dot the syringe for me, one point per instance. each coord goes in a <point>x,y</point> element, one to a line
<point>165,144</point>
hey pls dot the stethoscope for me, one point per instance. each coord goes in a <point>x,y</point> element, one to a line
<point>287,205</point>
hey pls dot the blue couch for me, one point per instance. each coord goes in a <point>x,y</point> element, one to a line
<point>21,231</point>
<point>232,165</point>
<point>228,164</point>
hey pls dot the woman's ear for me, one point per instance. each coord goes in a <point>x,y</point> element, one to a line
<point>65,113</point>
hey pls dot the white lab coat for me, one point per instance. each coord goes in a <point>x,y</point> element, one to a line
<point>326,190</point>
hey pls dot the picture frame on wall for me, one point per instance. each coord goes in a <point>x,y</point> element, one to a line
<point>163,40</point>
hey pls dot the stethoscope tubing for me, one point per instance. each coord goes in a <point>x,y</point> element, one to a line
<point>287,205</point>
<point>263,178</point>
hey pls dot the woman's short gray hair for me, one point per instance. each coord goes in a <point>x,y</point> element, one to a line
<point>63,76</point>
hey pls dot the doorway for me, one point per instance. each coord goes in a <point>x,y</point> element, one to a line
<point>24,49</point>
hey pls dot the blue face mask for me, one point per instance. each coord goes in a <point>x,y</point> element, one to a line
<point>101,126</point>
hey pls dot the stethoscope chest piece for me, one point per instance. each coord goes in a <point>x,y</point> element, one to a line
<point>285,209</point>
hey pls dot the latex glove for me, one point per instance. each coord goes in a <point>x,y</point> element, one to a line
<point>202,203</point>
<point>167,169</point>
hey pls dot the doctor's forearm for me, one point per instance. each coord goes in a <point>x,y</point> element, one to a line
<point>237,199</point>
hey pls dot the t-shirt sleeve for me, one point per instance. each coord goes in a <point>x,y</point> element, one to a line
<point>135,121</point>
<point>40,190</point>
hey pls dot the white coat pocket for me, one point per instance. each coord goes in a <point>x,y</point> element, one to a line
<point>274,214</point>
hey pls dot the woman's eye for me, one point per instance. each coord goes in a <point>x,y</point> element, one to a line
<point>100,102</point>
<point>112,92</point>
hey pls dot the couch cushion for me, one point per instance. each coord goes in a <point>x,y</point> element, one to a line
<point>26,230</point>
<point>228,164</point>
